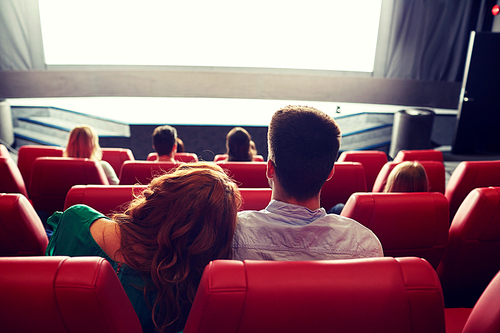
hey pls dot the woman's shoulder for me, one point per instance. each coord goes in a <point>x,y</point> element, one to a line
<point>77,213</point>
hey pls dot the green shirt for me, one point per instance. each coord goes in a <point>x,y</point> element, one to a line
<point>72,238</point>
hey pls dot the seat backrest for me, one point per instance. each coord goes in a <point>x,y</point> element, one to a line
<point>62,294</point>
<point>181,157</point>
<point>435,171</point>
<point>52,177</point>
<point>11,180</point>
<point>407,224</point>
<point>106,199</point>
<point>360,295</point>
<point>467,176</point>
<point>4,152</point>
<point>372,161</point>
<point>247,174</point>
<point>141,172</point>
<point>116,156</point>
<point>485,317</point>
<point>255,198</point>
<point>29,153</point>
<point>472,257</point>
<point>221,157</point>
<point>348,178</point>
<point>21,231</point>
<point>419,155</point>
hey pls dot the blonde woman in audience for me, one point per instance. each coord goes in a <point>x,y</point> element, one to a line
<point>407,176</point>
<point>239,145</point>
<point>161,244</point>
<point>83,142</point>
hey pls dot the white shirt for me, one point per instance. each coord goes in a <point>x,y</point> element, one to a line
<point>284,231</point>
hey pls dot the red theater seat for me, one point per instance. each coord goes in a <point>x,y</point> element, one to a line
<point>348,178</point>
<point>361,295</point>
<point>221,157</point>
<point>467,176</point>
<point>21,231</point>
<point>419,155</point>
<point>255,198</point>
<point>52,177</point>
<point>181,157</point>
<point>106,199</point>
<point>4,152</point>
<point>372,161</point>
<point>407,224</point>
<point>141,172</point>
<point>62,294</point>
<point>472,257</point>
<point>247,174</point>
<point>116,156</point>
<point>435,171</point>
<point>11,180</point>
<point>29,153</point>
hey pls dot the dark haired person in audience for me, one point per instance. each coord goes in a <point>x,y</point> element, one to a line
<point>239,145</point>
<point>160,245</point>
<point>83,142</point>
<point>165,142</point>
<point>303,146</point>
<point>407,176</point>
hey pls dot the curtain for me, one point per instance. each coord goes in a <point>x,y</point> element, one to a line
<point>21,46</point>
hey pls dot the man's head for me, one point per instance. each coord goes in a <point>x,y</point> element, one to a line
<point>164,140</point>
<point>303,146</point>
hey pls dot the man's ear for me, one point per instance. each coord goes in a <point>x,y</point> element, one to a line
<point>270,169</point>
<point>331,174</point>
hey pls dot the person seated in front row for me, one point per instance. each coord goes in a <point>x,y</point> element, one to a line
<point>160,245</point>
<point>303,145</point>
<point>409,176</point>
<point>165,143</point>
<point>83,142</point>
<point>239,146</point>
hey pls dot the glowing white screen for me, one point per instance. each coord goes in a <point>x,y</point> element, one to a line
<point>313,34</point>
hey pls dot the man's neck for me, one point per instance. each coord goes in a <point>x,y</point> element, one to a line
<point>166,158</point>
<point>311,204</point>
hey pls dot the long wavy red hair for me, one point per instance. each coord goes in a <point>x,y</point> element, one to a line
<point>173,230</point>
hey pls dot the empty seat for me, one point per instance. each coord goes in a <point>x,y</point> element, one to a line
<point>62,294</point>
<point>372,161</point>
<point>141,172</point>
<point>467,176</point>
<point>221,157</point>
<point>407,224</point>
<point>348,178</point>
<point>21,231</point>
<point>435,171</point>
<point>419,155</point>
<point>361,295</point>
<point>52,177</point>
<point>181,157</point>
<point>472,257</point>
<point>116,156</point>
<point>247,174</point>
<point>11,180</point>
<point>106,199</point>
<point>255,198</point>
<point>29,153</point>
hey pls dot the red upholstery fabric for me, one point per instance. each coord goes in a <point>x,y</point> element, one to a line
<point>255,198</point>
<point>472,257</point>
<point>181,157</point>
<point>247,174</point>
<point>455,319</point>
<point>348,178</point>
<point>4,152</point>
<point>52,177</point>
<point>407,224</point>
<point>436,176</point>
<point>21,231</point>
<point>372,161</point>
<point>419,155</point>
<point>141,172</point>
<point>106,199</point>
<point>467,176</point>
<point>220,157</point>
<point>11,180</point>
<point>29,153</point>
<point>116,156</point>
<point>360,295</point>
<point>62,294</point>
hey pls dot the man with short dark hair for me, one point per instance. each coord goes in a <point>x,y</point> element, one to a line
<point>165,142</point>
<point>303,146</point>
